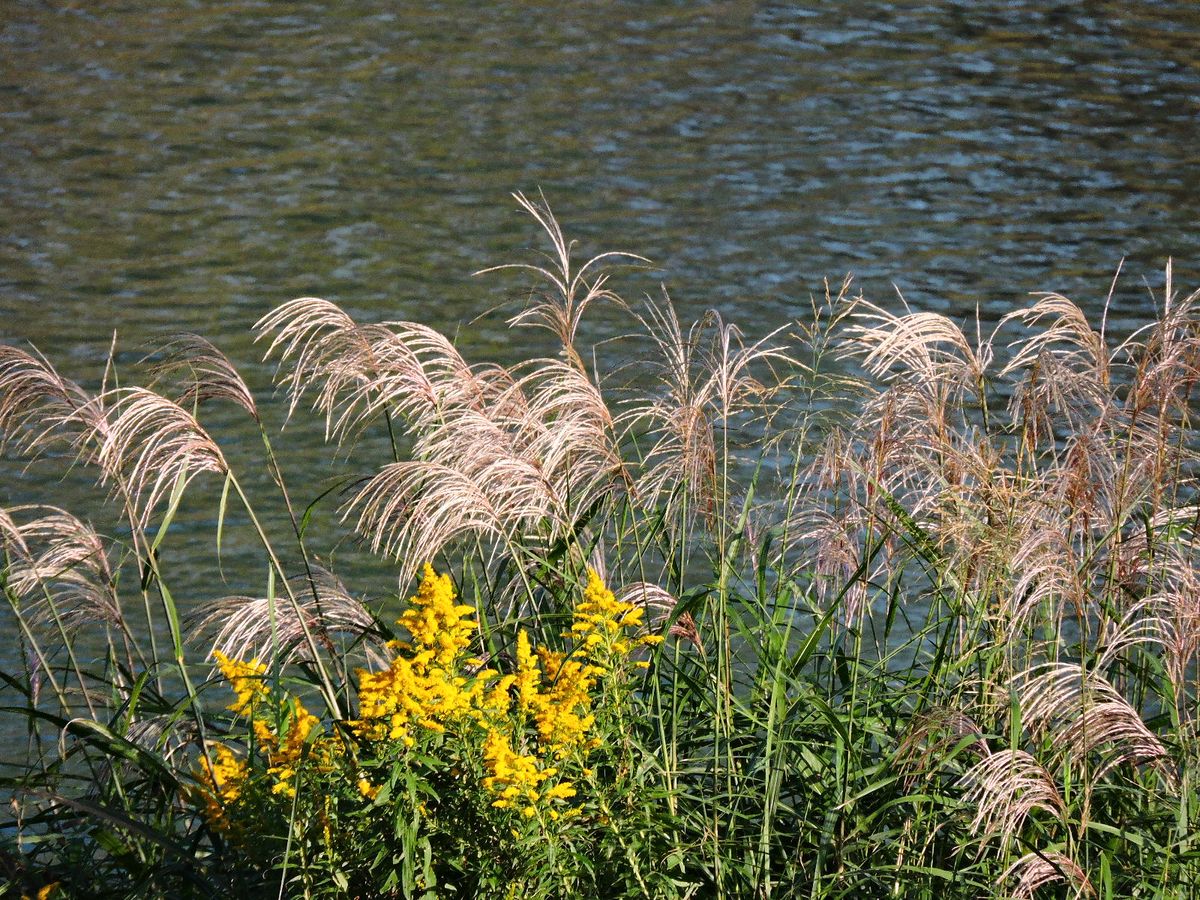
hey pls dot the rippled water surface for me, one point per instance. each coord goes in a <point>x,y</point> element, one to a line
<point>187,166</point>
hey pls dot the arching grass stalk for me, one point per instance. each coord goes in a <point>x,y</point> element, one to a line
<point>277,476</point>
<point>325,684</point>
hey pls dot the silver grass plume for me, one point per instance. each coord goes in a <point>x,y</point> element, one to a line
<point>271,629</point>
<point>708,379</point>
<point>362,371</point>
<point>11,533</point>
<point>570,290</point>
<point>1065,364</point>
<point>411,510</point>
<point>831,545</point>
<point>1047,575</point>
<point>1169,612</point>
<point>171,738</point>
<point>418,372</point>
<point>1040,868</point>
<point>39,408</point>
<point>1080,713</point>
<point>925,348</point>
<point>527,455</point>
<point>204,373</point>
<point>310,332</point>
<point>153,446</point>
<point>1170,620</point>
<point>1170,363</point>
<point>59,566</point>
<point>1005,788</point>
<point>915,451</point>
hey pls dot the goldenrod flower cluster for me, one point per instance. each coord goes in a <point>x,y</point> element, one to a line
<point>246,679</point>
<point>530,727</point>
<point>223,778</point>
<point>423,688</point>
<point>283,746</point>
<point>554,694</point>
<point>601,622</point>
<point>440,629</point>
<point>514,776</point>
<point>557,703</point>
<point>285,751</point>
<point>44,893</point>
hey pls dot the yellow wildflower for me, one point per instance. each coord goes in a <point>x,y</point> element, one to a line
<point>600,621</point>
<point>227,773</point>
<point>528,675</point>
<point>563,712</point>
<point>367,789</point>
<point>440,629</point>
<point>283,784</point>
<point>223,780</point>
<point>283,751</point>
<point>246,679</point>
<point>300,725</point>
<point>423,688</point>
<point>511,774</point>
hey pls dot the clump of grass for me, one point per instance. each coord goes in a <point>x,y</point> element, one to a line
<point>926,595</point>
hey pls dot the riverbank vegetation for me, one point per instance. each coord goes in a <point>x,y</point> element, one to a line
<point>878,605</point>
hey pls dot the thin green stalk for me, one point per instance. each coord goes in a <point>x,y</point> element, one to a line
<point>326,686</point>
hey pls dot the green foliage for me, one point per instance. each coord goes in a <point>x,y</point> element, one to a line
<point>447,757</point>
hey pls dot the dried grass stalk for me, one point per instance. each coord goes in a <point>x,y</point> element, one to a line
<point>151,446</point>
<point>204,372</point>
<point>1040,868</point>
<point>59,567</point>
<point>1080,712</point>
<point>271,630</point>
<point>1005,788</point>
<point>39,408</point>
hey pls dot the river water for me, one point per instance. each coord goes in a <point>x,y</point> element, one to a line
<point>188,166</point>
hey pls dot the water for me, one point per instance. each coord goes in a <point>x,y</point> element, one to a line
<point>168,167</point>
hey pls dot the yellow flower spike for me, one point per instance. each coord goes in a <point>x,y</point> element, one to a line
<point>534,719</point>
<point>424,689</point>
<point>564,790</point>
<point>601,621</point>
<point>222,780</point>
<point>285,789</point>
<point>264,735</point>
<point>528,674</point>
<point>510,774</point>
<point>246,679</point>
<point>440,629</point>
